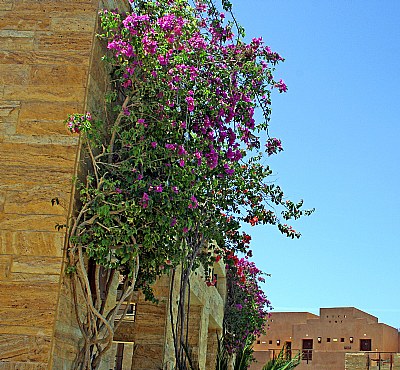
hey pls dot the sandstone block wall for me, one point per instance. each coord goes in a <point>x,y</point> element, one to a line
<point>46,48</point>
<point>50,67</point>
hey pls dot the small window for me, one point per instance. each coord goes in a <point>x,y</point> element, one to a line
<point>342,340</point>
<point>319,339</point>
<point>130,314</point>
<point>328,339</point>
<point>351,340</point>
<point>258,342</point>
<point>270,342</point>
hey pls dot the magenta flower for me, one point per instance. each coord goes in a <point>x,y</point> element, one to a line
<point>170,146</point>
<point>281,86</point>
<point>181,150</point>
<point>153,144</point>
<point>145,200</point>
<point>190,103</point>
<point>274,146</point>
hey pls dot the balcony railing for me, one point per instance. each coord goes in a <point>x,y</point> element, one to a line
<point>379,360</point>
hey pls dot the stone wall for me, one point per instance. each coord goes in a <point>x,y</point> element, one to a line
<point>151,332</point>
<point>50,67</point>
<point>359,361</point>
<point>46,48</point>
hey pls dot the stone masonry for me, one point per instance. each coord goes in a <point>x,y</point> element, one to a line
<point>50,67</point>
<point>46,73</point>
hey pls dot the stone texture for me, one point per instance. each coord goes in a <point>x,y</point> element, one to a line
<point>31,243</point>
<point>50,67</point>
<point>24,348</point>
<point>5,266</point>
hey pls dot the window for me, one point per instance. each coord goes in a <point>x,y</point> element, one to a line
<point>258,342</point>
<point>319,339</point>
<point>328,339</point>
<point>270,342</point>
<point>351,339</point>
<point>130,312</point>
<point>365,345</point>
<point>342,340</point>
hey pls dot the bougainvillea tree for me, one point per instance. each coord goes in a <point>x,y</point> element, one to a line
<point>177,161</point>
<point>246,307</point>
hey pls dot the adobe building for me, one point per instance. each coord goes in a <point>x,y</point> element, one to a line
<point>325,340</point>
<point>50,66</point>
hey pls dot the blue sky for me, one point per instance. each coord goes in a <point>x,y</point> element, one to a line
<point>339,124</point>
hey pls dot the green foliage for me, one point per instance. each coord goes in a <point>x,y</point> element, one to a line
<point>179,164</point>
<point>283,361</point>
<point>178,161</point>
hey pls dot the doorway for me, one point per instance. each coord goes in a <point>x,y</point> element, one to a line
<point>307,349</point>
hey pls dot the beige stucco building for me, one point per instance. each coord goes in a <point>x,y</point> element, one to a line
<point>325,340</point>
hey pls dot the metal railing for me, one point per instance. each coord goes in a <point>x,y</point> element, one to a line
<point>305,354</point>
<point>379,360</point>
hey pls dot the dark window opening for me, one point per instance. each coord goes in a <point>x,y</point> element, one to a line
<point>307,349</point>
<point>119,356</point>
<point>365,345</point>
<point>328,339</point>
<point>342,340</point>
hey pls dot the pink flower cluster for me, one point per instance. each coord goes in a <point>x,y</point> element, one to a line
<point>79,122</point>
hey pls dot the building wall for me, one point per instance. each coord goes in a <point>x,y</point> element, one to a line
<point>335,332</point>
<point>45,53</point>
<point>151,332</point>
<point>50,67</point>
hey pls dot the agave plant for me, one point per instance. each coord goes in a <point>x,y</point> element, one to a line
<point>241,360</point>
<point>222,356</point>
<point>244,358</point>
<point>283,362</point>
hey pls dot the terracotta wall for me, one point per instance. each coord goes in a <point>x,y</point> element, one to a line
<point>335,332</point>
